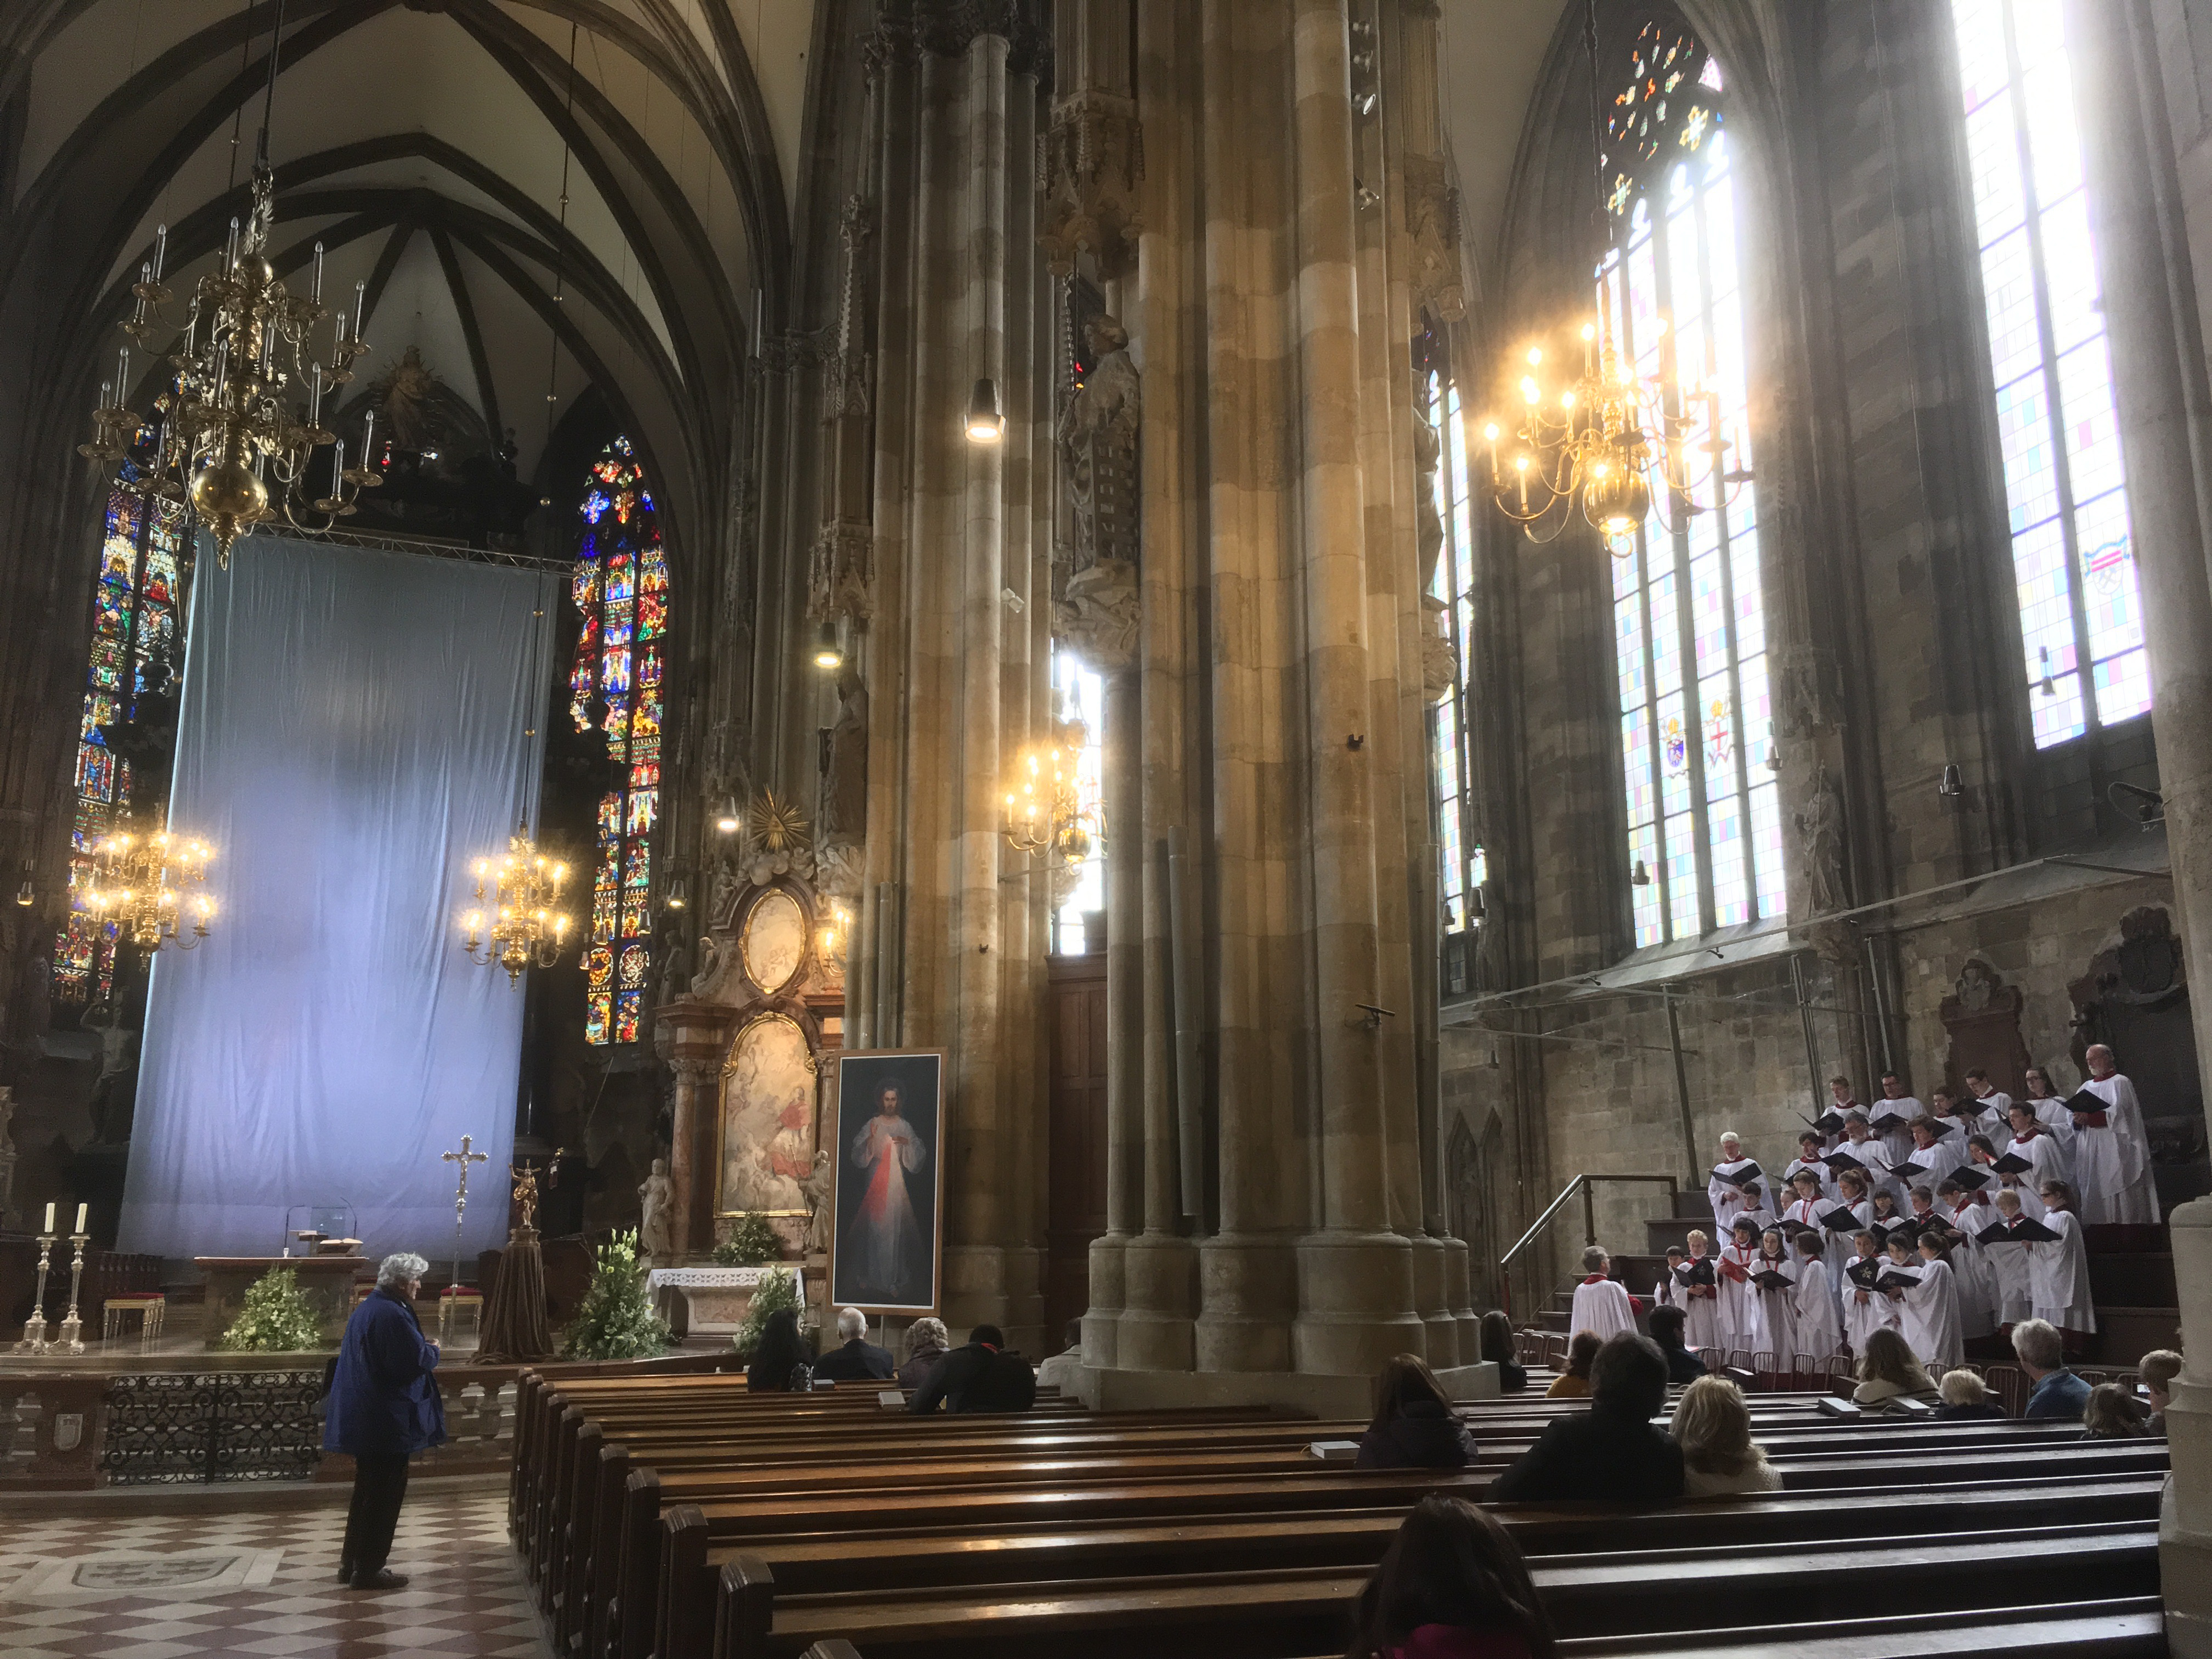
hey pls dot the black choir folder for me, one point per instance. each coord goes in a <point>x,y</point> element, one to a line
<point>2094,1107</point>
<point>1969,1175</point>
<point>2011,1163</point>
<point>1840,1220</point>
<point>1770,1279</point>
<point>1840,1160</point>
<point>1742,1178</point>
<point>1699,1272</point>
<point>2027,1232</point>
<point>1896,1279</point>
<point>1864,1273</point>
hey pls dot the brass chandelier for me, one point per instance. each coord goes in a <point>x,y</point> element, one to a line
<point>526,927</point>
<point>1048,809</point>
<point>149,886</point>
<point>232,438</point>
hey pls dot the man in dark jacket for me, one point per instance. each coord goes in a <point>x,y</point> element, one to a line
<point>985,1375</point>
<point>383,1408</point>
<point>1682,1365</point>
<point>1612,1451</point>
<point>859,1358</point>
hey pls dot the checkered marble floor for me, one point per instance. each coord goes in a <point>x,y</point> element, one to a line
<point>465,1596</point>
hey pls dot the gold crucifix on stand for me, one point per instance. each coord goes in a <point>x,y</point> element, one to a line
<point>464,1157</point>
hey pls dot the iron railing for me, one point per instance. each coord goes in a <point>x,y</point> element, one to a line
<point>1586,1185</point>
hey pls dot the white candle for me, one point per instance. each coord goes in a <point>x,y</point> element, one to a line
<point>81,1209</point>
<point>49,1219</point>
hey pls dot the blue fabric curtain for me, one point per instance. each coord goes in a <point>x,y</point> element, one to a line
<point>351,737</point>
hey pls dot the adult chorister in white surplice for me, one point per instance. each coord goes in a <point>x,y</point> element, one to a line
<point>2112,1159</point>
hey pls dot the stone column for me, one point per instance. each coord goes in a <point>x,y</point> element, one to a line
<point>2165,435</point>
<point>692,1036</point>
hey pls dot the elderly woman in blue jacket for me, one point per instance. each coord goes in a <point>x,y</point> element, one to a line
<point>384,1408</point>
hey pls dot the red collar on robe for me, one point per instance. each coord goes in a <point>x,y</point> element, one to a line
<point>1597,1279</point>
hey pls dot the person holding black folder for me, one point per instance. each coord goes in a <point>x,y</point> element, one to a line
<point>1891,1118</point>
<point>1700,1285</point>
<point>2008,1168</point>
<point>2114,1153</point>
<point>1866,1310</point>
<point>1728,1176</point>
<point>1817,1308</point>
<point>2049,1108</point>
<point>2007,1242</point>
<point>1742,1322</point>
<point>1852,1209</point>
<point>1965,1214</point>
<point>1992,1103</point>
<point>1866,1153</point>
<point>1811,1150</point>
<point>1774,1274</point>
<point>1929,1311</point>
<point>2058,1272</point>
<point>1807,1207</point>
<point>2039,1147</point>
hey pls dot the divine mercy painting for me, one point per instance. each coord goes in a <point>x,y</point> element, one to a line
<point>888,1151</point>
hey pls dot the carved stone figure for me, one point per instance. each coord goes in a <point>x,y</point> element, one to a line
<point>1097,442</point>
<point>1432,228</point>
<point>815,1186</point>
<point>1820,837</point>
<point>1099,615</point>
<point>675,966</point>
<point>1428,522</point>
<point>710,958</point>
<point>656,1227</point>
<point>845,765</point>
<point>1089,164</point>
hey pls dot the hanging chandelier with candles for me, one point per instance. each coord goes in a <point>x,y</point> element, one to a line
<point>150,886</point>
<point>233,437</point>
<point>1049,807</point>
<point>520,925</point>
<point>1622,436</point>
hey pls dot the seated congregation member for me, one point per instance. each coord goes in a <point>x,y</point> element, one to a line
<point>1701,1320</point>
<point>2111,1413</point>
<point>781,1362</point>
<point>2159,1368</point>
<point>1866,1309</point>
<point>1452,1585</point>
<point>1415,1425</point>
<point>1682,1365</point>
<point>1612,1451</point>
<point>1574,1383</point>
<point>858,1358</point>
<point>2057,1393</point>
<point>1967,1396</point>
<point>926,1343</point>
<point>1601,1305</point>
<point>1713,1428</point>
<point>984,1376</point>
<point>1888,1371</point>
<point>1815,1307</point>
<point>1059,1371</point>
<point>2058,1272</point>
<point>1498,1348</point>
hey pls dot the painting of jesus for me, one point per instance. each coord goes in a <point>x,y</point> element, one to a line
<point>889,1174</point>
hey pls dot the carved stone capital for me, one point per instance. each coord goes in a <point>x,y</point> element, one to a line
<point>1433,227</point>
<point>1098,615</point>
<point>1091,159</point>
<point>840,576</point>
<point>948,28</point>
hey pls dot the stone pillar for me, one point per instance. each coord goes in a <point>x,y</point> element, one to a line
<point>692,1036</point>
<point>2165,435</point>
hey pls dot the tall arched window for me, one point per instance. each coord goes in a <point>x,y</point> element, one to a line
<point>1705,823</point>
<point>1459,860</point>
<point>134,629</point>
<point>621,587</point>
<point>2074,567</point>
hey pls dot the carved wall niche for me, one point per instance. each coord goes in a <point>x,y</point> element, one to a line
<point>1982,1015</point>
<point>2133,999</point>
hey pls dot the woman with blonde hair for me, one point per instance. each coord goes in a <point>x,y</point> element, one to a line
<point>1712,1426</point>
<point>1888,1371</point>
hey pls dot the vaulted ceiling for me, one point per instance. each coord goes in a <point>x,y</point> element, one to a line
<point>426,143</point>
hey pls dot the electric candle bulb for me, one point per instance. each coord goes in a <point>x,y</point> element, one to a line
<point>1535,356</point>
<point>81,1210</point>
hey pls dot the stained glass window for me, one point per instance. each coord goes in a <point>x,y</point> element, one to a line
<point>1082,693</point>
<point>135,611</point>
<point>621,590</point>
<point>1453,588</point>
<point>2074,569</point>
<point>1705,820</point>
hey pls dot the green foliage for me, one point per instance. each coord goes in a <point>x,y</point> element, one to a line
<point>778,1290</point>
<point>750,1243</point>
<point>277,1317</point>
<point>616,1320</point>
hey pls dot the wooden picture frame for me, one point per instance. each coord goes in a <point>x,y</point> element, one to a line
<point>887,1257</point>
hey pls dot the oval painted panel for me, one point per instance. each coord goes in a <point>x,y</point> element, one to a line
<point>774,942</point>
<point>768,1120</point>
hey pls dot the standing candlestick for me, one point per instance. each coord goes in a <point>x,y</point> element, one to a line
<point>34,1328</point>
<point>71,1339</point>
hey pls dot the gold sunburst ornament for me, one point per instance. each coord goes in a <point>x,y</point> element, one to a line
<point>777,826</point>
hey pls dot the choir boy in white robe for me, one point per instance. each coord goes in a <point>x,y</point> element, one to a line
<point>1965,1214</point>
<point>1668,1290</point>
<point>1841,1100</point>
<point>1892,1116</point>
<point>1701,1303</point>
<point>1985,1152</point>
<point>1992,1103</point>
<point>1851,1190</point>
<point>1818,1309</point>
<point>1810,1150</point>
<point>1724,1193</point>
<point>1864,1311</point>
<point>2113,1160</point>
<point>2032,1141</point>
<point>2008,1262</point>
<point>1860,1143</point>
<point>1807,1208</point>
<point>1948,1112</point>
<point>1601,1305</point>
<point>1930,1309</point>
<point>2059,1273</point>
<point>1751,1206</point>
<point>1742,1322</point>
<point>1778,1304</point>
<point>2049,1108</point>
<point>1927,1158</point>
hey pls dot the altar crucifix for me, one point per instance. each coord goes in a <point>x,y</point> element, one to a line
<point>464,1157</point>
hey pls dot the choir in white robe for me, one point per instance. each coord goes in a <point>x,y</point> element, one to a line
<point>1602,1306</point>
<point>1862,1214</point>
<point>1818,1314</point>
<point>2114,1162</point>
<point>1819,1174</point>
<point>2048,1158</point>
<point>1864,1311</point>
<point>1878,1176</point>
<point>1760,1218</point>
<point>2059,1276</point>
<point>1742,1320</point>
<point>1723,1192</point>
<point>1779,1307</point>
<point>2051,1112</point>
<point>2009,1273</point>
<point>1993,1109</point>
<point>1897,1140</point>
<point>1971,1267</point>
<point>1807,1212</point>
<point>1701,1321</point>
<point>1928,1317</point>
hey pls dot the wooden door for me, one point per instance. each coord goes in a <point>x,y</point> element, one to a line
<point>1076,1194</point>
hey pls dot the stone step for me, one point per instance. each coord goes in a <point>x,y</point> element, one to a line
<point>2132,1279</point>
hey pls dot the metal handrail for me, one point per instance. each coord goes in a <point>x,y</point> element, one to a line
<point>1585,1184</point>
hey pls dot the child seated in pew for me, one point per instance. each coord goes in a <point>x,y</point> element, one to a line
<point>1415,1426</point>
<point>1612,1452</point>
<point>1574,1383</point>
<point>1498,1348</point>
<point>1452,1585</point>
<point>2159,1368</point>
<point>2112,1413</point>
<point>1888,1371</point>
<point>1967,1396</point>
<point>1712,1426</point>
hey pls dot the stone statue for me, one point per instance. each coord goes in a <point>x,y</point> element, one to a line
<point>676,965</point>
<point>1097,443</point>
<point>1428,522</point>
<point>1820,837</point>
<point>815,1189</point>
<point>845,770</point>
<point>656,1227</point>
<point>710,958</point>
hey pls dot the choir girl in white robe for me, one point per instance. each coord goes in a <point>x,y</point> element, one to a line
<point>2049,1108</point>
<point>1994,1104</point>
<point>1862,1145</point>
<point>1810,1151</point>
<point>1817,1308</point>
<point>2059,1273</point>
<point>1935,1161</point>
<point>1984,1152</point>
<point>1965,1214</point>
<point>1601,1305</point>
<point>1929,1311</point>
<point>1851,1195</point>
<point>1778,1304</point>
<point>1807,1208</point>
<point>1864,1311</point>
<point>2008,1263</point>
<point>2113,1168</point>
<point>1727,1200</point>
<point>1742,1322</point>
<point>1701,1320</point>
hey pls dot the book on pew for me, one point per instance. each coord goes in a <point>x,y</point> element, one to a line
<point>2089,1110</point>
<point>1864,1275</point>
<point>891,1399</point>
<point>2012,1164</point>
<point>1896,1279</point>
<point>1832,1407</point>
<point>1840,1220</point>
<point>1333,1451</point>
<point>1771,1281</point>
<point>2028,1231</point>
